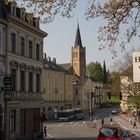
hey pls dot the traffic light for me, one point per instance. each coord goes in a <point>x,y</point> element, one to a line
<point>120,95</point>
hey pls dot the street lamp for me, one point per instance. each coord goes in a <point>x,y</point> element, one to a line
<point>91,101</point>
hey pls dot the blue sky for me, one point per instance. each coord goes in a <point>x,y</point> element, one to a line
<point>61,37</point>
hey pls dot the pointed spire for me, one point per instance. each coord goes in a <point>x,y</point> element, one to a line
<point>78,42</point>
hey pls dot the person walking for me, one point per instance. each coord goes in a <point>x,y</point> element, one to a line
<point>45,131</point>
<point>134,125</point>
<point>102,121</point>
<point>111,121</point>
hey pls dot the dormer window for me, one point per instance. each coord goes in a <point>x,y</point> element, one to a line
<point>14,10</point>
<point>18,12</point>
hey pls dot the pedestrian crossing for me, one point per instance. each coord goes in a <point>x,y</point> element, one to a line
<point>62,124</point>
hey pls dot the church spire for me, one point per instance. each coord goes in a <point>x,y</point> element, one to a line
<point>78,42</point>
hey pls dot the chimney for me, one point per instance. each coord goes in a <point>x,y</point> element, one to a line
<point>44,56</point>
<point>54,60</point>
<point>49,59</point>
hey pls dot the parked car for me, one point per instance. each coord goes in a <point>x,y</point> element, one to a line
<point>110,132</point>
<point>128,135</point>
<point>80,116</point>
<point>63,119</point>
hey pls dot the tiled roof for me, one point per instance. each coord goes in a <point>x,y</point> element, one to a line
<point>67,66</point>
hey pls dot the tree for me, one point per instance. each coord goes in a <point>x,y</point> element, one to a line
<point>104,73</point>
<point>95,71</point>
<point>46,10</point>
<point>122,17</point>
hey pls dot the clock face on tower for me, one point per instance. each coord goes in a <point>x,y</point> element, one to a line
<point>75,64</point>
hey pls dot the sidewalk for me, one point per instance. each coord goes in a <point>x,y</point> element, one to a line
<point>123,121</point>
<point>133,119</point>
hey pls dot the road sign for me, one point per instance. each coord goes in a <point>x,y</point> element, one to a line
<point>7,80</point>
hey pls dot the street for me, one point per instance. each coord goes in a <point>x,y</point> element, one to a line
<point>75,130</point>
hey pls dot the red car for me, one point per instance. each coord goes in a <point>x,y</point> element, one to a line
<point>110,132</point>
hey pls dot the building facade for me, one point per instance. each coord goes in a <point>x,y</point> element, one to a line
<point>24,63</point>
<point>58,87</point>
<point>136,67</point>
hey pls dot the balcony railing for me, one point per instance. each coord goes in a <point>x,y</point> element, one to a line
<point>17,96</point>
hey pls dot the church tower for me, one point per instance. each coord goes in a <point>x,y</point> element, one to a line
<point>79,56</point>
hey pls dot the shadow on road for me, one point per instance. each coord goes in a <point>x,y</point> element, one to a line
<point>79,138</point>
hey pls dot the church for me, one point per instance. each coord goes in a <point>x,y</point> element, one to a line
<point>84,89</point>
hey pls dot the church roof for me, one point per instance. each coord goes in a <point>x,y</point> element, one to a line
<point>67,66</point>
<point>78,42</point>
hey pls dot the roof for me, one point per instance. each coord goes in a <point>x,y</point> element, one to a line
<point>78,42</point>
<point>52,66</point>
<point>67,67</point>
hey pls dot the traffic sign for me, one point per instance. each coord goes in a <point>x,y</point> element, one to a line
<point>7,80</point>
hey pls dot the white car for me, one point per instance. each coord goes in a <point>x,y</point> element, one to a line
<point>63,119</point>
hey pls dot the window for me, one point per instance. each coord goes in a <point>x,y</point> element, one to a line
<point>13,120</point>
<point>49,84</point>
<point>78,102</point>
<point>30,82</point>
<point>30,49</point>
<point>13,72</point>
<point>139,59</point>
<point>0,40</point>
<point>37,52</point>
<point>22,81</point>
<point>18,12</point>
<point>76,54</point>
<point>38,82</point>
<point>13,43</point>
<point>22,46</point>
<point>76,91</point>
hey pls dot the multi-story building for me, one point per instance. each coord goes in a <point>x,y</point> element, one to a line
<point>58,88</point>
<point>22,40</point>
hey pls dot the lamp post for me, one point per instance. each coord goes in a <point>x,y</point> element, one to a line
<point>91,102</point>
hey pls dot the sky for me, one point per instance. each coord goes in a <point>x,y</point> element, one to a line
<point>61,38</point>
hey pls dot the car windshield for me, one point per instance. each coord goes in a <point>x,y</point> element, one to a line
<point>126,132</point>
<point>108,132</point>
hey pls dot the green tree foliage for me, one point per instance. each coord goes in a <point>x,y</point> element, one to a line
<point>104,73</point>
<point>95,71</point>
<point>135,100</point>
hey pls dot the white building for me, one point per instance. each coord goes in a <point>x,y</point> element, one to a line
<point>136,67</point>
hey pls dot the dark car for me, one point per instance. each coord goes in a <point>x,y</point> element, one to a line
<point>110,132</point>
<point>128,135</point>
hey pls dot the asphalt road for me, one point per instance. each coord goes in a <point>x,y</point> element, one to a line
<point>78,130</point>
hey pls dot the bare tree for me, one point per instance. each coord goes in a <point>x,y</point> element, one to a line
<point>46,10</point>
<point>123,22</point>
<point>122,16</point>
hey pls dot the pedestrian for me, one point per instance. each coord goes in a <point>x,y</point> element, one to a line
<point>130,120</point>
<point>45,131</point>
<point>111,121</point>
<point>102,121</point>
<point>134,125</point>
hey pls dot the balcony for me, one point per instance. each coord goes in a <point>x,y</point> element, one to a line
<point>24,96</point>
